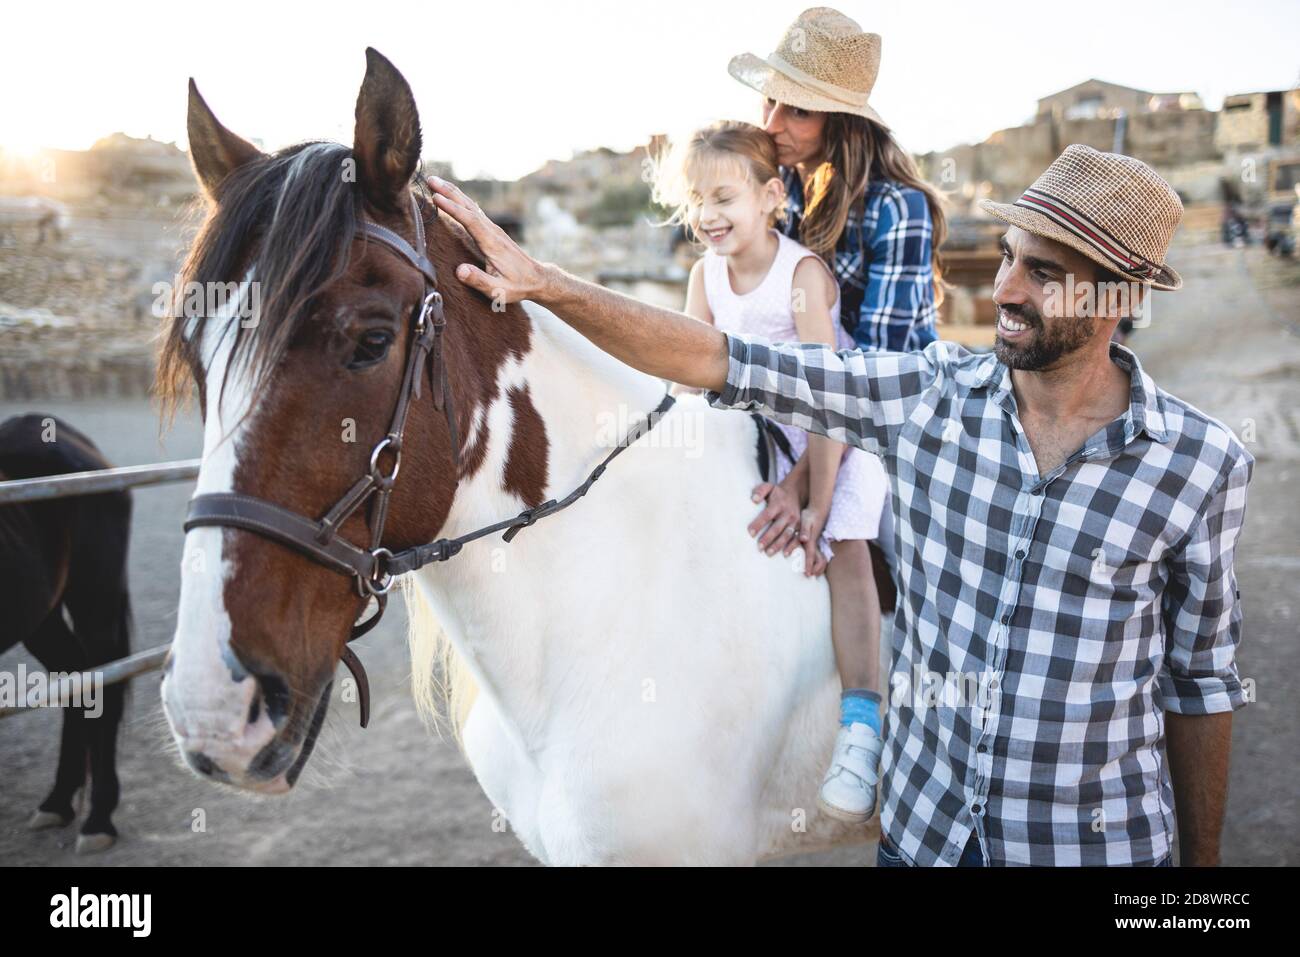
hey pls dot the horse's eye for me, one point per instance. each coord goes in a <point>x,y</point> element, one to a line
<point>371,348</point>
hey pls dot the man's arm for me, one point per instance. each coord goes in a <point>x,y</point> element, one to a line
<point>1198,748</point>
<point>1199,685</point>
<point>659,341</point>
<point>667,344</point>
<point>853,398</point>
<point>697,307</point>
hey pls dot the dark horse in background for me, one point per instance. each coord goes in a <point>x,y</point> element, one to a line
<point>68,555</point>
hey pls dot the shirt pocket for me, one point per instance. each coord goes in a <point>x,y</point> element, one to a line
<point>1123,567</point>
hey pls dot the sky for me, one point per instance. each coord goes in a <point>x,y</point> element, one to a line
<point>503,86</point>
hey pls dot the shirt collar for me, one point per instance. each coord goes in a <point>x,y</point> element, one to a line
<point>1146,404</point>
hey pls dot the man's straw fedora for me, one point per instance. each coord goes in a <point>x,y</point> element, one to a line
<point>1114,209</point>
<point>824,62</point>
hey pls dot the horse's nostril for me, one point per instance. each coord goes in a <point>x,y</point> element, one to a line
<point>201,763</point>
<point>275,692</point>
<point>205,766</point>
<point>255,708</point>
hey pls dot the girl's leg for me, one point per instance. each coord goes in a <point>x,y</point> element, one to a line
<point>848,790</point>
<point>855,615</point>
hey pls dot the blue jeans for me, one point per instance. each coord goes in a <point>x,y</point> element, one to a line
<point>887,856</point>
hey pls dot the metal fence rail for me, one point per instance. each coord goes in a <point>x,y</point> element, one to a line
<point>100,480</point>
<point>124,669</point>
<point>91,483</point>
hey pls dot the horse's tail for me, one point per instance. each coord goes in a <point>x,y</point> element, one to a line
<point>441,682</point>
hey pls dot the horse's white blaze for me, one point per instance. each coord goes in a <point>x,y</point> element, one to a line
<point>205,704</point>
<point>653,688</point>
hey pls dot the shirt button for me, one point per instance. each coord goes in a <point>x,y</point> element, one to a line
<point>982,748</point>
<point>993,684</point>
<point>1020,553</point>
<point>975,809</point>
<point>1005,619</point>
<point>1038,491</point>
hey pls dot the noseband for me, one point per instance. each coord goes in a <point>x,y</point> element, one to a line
<point>375,569</point>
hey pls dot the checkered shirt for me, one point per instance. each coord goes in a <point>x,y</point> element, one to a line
<point>882,264</point>
<point>1045,625</point>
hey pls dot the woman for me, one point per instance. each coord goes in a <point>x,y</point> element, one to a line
<point>855,198</point>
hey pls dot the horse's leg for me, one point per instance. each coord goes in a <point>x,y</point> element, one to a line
<point>99,602</point>
<point>98,832</point>
<point>100,605</point>
<point>57,649</point>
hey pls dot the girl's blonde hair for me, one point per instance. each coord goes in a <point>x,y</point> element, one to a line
<point>687,162</point>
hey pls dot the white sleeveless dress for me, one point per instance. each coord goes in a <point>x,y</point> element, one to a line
<point>862,487</point>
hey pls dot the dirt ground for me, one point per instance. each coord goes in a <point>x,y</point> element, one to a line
<point>394,794</point>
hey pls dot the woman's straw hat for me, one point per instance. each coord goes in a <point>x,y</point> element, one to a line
<point>1114,209</point>
<point>824,62</point>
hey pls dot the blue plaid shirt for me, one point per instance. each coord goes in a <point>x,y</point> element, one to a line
<point>1045,623</point>
<point>883,265</point>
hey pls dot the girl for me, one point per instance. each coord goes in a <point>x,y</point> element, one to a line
<point>724,183</point>
<point>854,196</point>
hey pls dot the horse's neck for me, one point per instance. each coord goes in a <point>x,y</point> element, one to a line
<point>580,394</point>
<point>495,599</point>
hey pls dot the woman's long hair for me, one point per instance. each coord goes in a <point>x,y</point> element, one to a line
<point>859,151</point>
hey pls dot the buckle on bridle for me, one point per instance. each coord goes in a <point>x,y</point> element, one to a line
<point>379,581</point>
<point>392,442</point>
<point>432,306</point>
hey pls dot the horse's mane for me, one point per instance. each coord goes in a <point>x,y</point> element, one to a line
<point>287,219</point>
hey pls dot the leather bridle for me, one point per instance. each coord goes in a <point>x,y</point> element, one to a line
<point>375,569</point>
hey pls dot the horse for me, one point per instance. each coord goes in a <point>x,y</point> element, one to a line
<point>64,560</point>
<point>633,682</point>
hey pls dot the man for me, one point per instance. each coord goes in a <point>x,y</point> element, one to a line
<point>1065,532</point>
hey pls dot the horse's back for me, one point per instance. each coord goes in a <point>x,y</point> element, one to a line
<point>69,547</point>
<point>721,649</point>
<point>664,690</point>
<point>35,444</point>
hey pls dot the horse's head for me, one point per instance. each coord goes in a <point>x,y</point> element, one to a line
<point>298,376</point>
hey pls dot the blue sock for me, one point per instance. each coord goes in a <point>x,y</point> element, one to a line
<point>860,706</point>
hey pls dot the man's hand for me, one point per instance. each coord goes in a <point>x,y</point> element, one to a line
<point>511,273</point>
<point>658,341</point>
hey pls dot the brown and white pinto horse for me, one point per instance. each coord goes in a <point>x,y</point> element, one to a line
<point>650,687</point>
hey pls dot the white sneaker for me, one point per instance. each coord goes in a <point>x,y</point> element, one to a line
<point>848,791</point>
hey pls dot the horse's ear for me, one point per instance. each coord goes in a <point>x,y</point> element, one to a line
<point>214,150</point>
<point>387,140</point>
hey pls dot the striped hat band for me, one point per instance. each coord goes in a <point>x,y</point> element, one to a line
<point>1066,216</point>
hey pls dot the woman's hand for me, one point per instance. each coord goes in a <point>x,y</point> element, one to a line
<point>511,273</point>
<point>777,526</point>
<point>784,502</point>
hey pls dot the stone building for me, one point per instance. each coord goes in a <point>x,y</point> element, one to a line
<point>1097,99</point>
<point>1164,129</point>
<point>1251,121</point>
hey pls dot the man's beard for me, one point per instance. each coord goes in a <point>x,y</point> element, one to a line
<point>1047,345</point>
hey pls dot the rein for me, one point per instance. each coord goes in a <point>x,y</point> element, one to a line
<point>375,569</point>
